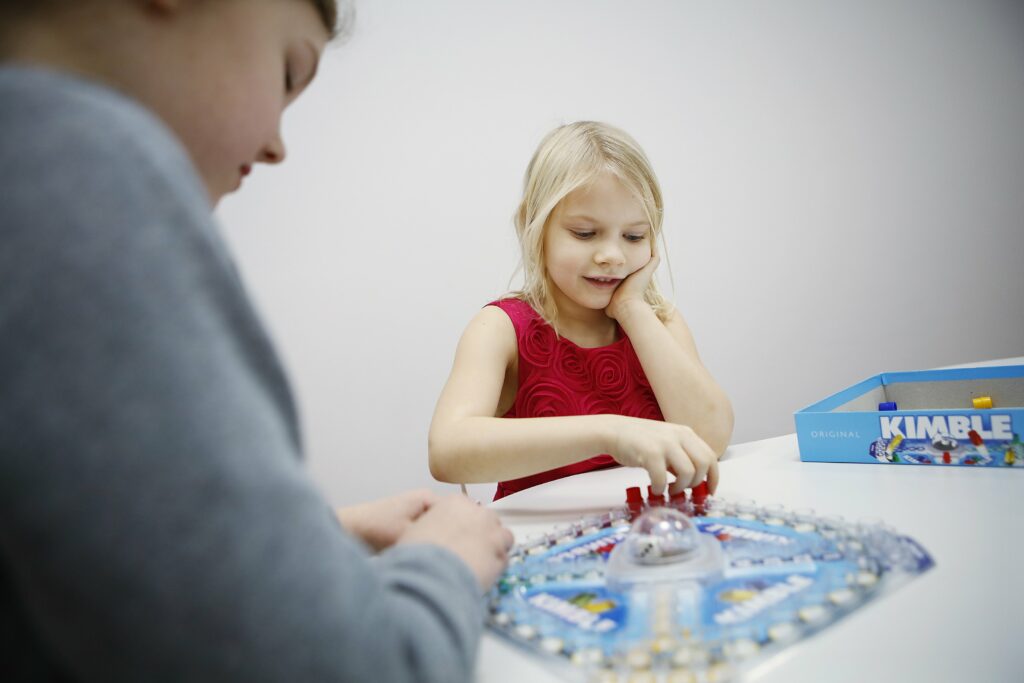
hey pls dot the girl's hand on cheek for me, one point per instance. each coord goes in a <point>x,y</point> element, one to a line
<point>631,290</point>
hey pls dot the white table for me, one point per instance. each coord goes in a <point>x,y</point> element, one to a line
<point>963,620</point>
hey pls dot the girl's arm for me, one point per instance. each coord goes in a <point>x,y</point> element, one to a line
<point>687,393</point>
<point>468,443</point>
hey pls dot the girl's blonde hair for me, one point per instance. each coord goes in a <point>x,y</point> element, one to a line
<point>570,157</point>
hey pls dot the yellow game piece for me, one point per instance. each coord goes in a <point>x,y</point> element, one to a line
<point>894,444</point>
<point>982,402</point>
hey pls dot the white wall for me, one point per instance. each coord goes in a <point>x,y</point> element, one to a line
<point>844,191</point>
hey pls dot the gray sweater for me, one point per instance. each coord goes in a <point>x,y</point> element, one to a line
<point>156,523</point>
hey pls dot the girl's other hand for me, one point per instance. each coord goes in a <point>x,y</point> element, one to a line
<point>631,290</point>
<point>381,522</point>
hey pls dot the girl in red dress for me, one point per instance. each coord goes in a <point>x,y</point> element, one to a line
<point>588,366</point>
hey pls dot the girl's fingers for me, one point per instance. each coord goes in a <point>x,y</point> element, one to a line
<point>683,469</point>
<point>700,470</point>
<point>713,476</point>
<point>656,468</point>
<point>705,457</point>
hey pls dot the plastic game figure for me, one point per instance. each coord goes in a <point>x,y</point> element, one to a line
<point>594,364</point>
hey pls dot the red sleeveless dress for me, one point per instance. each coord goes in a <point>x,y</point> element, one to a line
<point>558,378</point>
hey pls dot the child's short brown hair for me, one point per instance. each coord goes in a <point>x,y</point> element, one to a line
<point>328,11</point>
<point>336,20</point>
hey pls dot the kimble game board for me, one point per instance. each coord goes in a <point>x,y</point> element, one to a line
<point>692,589</point>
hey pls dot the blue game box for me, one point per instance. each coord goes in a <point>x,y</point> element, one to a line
<point>927,417</point>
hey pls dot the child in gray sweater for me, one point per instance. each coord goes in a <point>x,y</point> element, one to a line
<point>155,520</point>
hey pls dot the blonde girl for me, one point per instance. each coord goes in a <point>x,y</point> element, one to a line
<point>595,366</point>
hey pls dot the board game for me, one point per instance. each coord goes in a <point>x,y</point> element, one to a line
<point>693,589</point>
<point>969,417</point>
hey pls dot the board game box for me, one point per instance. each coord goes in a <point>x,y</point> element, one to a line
<point>970,417</point>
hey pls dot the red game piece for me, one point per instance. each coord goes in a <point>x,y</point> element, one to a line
<point>979,445</point>
<point>946,459</point>
<point>653,500</point>
<point>634,500</point>
<point>699,495</point>
<point>679,502</point>
<point>700,492</point>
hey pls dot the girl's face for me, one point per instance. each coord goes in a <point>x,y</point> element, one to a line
<point>596,237</point>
